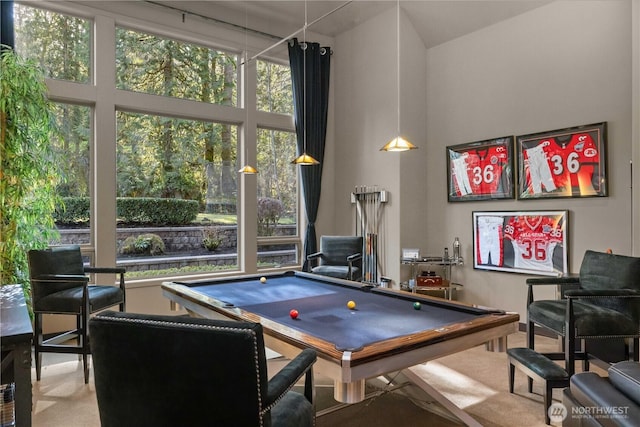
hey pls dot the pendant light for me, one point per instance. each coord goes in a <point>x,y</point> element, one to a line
<point>304,159</point>
<point>247,169</point>
<point>398,143</point>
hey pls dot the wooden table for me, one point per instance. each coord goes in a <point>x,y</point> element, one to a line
<point>16,334</point>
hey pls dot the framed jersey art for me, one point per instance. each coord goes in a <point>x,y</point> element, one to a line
<point>563,163</point>
<point>532,242</point>
<point>481,170</point>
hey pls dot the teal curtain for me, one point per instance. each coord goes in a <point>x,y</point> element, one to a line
<point>310,68</point>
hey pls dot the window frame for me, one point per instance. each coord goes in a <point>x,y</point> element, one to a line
<point>101,95</point>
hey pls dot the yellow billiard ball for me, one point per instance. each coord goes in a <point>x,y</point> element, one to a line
<point>263,279</point>
<point>351,305</point>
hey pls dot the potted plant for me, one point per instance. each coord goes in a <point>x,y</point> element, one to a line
<point>28,166</point>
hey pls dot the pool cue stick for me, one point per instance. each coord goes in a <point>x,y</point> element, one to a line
<point>371,242</point>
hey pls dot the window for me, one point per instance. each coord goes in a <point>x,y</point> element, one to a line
<point>59,43</point>
<point>274,93</point>
<point>165,158</point>
<point>151,64</point>
<point>72,140</point>
<point>181,153</point>
<point>277,197</point>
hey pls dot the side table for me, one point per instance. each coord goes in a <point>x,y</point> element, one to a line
<point>16,335</point>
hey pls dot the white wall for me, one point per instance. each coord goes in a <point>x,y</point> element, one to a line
<point>365,61</point>
<point>564,64</point>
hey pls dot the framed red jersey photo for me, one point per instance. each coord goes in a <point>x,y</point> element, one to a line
<point>531,242</point>
<point>481,170</point>
<point>563,163</point>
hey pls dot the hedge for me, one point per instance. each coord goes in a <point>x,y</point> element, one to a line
<point>138,211</point>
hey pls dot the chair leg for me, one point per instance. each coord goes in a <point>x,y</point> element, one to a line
<point>570,355</point>
<point>36,347</point>
<point>512,372</point>
<point>79,339</point>
<point>530,335</point>
<point>547,402</point>
<point>585,361</point>
<point>86,350</point>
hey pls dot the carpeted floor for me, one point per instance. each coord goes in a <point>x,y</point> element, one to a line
<point>475,380</point>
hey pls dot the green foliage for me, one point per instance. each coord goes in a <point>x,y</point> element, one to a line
<point>150,211</point>
<point>144,244</point>
<point>211,238</point>
<point>269,212</point>
<point>60,43</point>
<point>140,211</point>
<point>273,89</point>
<point>28,166</point>
<point>74,211</point>
<point>179,271</point>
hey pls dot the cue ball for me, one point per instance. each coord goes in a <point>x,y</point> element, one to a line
<point>417,305</point>
<point>263,280</point>
<point>293,314</point>
<point>351,305</point>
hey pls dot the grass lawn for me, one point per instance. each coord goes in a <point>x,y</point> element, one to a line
<point>231,219</point>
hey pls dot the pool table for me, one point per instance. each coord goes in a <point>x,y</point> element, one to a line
<point>385,331</point>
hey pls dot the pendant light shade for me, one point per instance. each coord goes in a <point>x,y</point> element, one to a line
<point>398,144</point>
<point>248,170</point>
<point>304,160</point>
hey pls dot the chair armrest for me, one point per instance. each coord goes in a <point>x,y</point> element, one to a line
<point>602,293</point>
<point>562,280</point>
<point>119,270</point>
<point>313,259</point>
<point>80,278</point>
<point>354,257</point>
<point>565,282</point>
<point>287,377</point>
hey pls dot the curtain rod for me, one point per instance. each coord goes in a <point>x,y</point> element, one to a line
<point>304,27</point>
<point>244,28</point>
<point>216,20</point>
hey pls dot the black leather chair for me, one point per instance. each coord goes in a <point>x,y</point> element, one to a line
<point>60,285</point>
<point>593,400</point>
<point>339,256</point>
<point>602,302</point>
<point>153,370</point>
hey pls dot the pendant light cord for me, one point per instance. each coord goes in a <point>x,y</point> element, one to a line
<point>304,81</point>
<point>398,62</point>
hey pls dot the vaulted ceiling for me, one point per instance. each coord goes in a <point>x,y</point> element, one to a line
<point>436,21</point>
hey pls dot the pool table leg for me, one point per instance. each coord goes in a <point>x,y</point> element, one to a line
<point>497,345</point>
<point>349,392</point>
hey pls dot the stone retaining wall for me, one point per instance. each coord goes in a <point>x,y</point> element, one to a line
<point>176,239</point>
<point>182,245</point>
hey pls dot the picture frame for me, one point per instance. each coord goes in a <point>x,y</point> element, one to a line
<point>481,170</point>
<point>568,162</point>
<point>530,242</point>
<point>410,254</point>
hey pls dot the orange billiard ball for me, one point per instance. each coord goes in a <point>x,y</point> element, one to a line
<point>294,314</point>
<point>351,305</point>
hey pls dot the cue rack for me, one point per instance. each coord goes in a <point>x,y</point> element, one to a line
<point>369,203</point>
